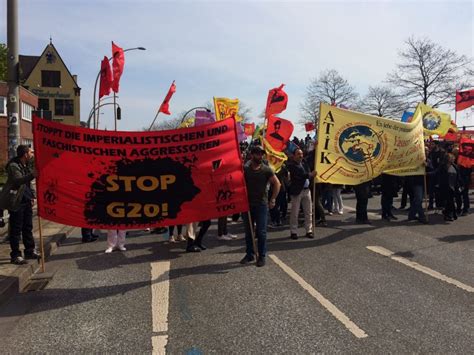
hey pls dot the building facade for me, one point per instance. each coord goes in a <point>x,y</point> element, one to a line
<point>47,86</point>
<point>48,77</point>
<point>28,103</point>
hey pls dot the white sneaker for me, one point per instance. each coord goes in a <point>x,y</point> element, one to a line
<point>181,238</point>
<point>231,236</point>
<point>122,248</point>
<point>224,237</point>
<point>172,240</point>
<point>340,212</point>
<point>109,250</point>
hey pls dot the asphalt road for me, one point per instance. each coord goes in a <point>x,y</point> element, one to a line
<point>331,294</point>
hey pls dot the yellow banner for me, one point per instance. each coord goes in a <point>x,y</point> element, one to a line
<point>226,108</point>
<point>275,159</point>
<point>434,122</point>
<point>354,147</point>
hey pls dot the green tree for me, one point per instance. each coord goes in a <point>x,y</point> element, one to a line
<point>3,62</point>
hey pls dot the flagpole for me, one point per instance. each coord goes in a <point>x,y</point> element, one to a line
<point>151,126</point>
<point>43,268</point>
<point>115,112</point>
<point>252,233</point>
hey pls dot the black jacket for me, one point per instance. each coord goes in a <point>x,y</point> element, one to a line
<point>298,175</point>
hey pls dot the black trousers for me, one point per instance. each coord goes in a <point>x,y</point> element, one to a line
<point>21,227</point>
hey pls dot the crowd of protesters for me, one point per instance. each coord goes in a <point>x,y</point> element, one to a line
<point>445,183</point>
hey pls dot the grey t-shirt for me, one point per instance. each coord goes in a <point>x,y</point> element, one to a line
<point>257,183</point>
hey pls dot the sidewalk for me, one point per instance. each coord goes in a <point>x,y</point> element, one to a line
<point>14,278</point>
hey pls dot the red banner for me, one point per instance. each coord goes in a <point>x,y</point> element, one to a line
<point>249,128</point>
<point>133,180</point>
<point>466,153</point>
<point>309,126</point>
<point>464,99</point>
<point>276,101</point>
<point>279,132</point>
<point>118,63</point>
<point>106,78</point>
<point>165,106</point>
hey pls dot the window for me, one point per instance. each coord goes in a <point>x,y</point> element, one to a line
<point>50,78</point>
<point>43,104</point>
<point>64,107</point>
<point>27,141</point>
<point>3,106</point>
<point>26,111</point>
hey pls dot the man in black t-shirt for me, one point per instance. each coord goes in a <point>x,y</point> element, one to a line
<point>257,177</point>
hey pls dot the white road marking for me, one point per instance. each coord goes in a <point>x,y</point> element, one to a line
<point>160,289</point>
<point>351,326</point>
<point>159,344</point>
<point>423,269</point>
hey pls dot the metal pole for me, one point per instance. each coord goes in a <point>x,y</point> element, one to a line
<point>115,113</point>
<point>43,267</point>
<point>13,101</point>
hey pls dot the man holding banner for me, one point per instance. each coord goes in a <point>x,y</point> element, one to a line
<point>257,177</point>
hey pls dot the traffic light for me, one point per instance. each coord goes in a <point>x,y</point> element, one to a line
<point>119,113</point>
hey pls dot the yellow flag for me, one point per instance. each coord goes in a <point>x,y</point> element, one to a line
<point>188,122</point>
<point>226,108</point>
<point>434,121</point>
<point>275,159</point>
<point>353,147</point>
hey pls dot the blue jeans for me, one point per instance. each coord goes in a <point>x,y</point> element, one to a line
<point>416,207</point>
<point>258,214</point>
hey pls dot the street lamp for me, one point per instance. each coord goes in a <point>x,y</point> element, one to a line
<point>98,76</point>
<point>92,113</point>
<point>97,106</point>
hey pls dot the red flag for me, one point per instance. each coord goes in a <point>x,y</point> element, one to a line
<point>249,128</point>
<point>466,153</point>
<point>117,64</point>
<point>309,126</point>
<point>105,78</point>
<point>276,101</point>
<point>464,99</point>
<point>165,106</point>
<point>279,132</point>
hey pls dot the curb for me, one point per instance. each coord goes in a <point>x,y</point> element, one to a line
<point>20,278</point>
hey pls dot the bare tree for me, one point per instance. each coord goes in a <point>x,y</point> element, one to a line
<point>383,101</point>
<point>430,73</point>
<point>330,87</point>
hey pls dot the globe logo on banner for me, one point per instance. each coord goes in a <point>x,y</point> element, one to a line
<point>431,121</point>
<point>359,144</point>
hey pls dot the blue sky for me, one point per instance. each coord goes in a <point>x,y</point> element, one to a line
<point>233,48</point>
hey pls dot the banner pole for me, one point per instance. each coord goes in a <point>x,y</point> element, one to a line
<point>43,269</point>
<point>313,220</point>
<point>252,233</point>
<point>426,191</point>
<point>151,126</point>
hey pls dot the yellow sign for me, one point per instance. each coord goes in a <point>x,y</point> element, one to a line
<point>434,122</point>
<point>275,159</point>
<point>354,147</point>
<point>226,108</point>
